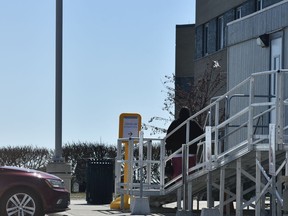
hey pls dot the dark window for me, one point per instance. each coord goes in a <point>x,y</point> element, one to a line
<point>220,33</point>
<point>259,4</point>
<point>205,39</point>
<point>199,42</point>
<point>238,14</point>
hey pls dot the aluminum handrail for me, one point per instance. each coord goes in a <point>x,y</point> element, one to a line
<point>219,159</point>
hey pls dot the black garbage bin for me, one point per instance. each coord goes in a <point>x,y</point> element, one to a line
<point>100,181</point>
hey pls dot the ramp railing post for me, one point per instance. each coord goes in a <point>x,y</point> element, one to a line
<point>239,211</point>
<point>179,195</point>
<point>272,149</point>
<point>258,185</point>
<point>279,106</point>
<point>210,201</point>
<point>216,144</point>
<point>279,190</point>
<point>222,190</point>
<point>250,114</point>
<point>140,205</point>
<point>208,143</point>
<point>118,168</point>
<point>184,174</point>
<point>141,162</point>
<point>272,166</point>
<point>190,197</point>
<point>149,158</point>
<point>130,165</point>
<point>208,160</point>
<point>285,197</point>
<point>162,164</point>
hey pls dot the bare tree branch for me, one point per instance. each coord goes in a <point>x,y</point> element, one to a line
<point>195,96</point>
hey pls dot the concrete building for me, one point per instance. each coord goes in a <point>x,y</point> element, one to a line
<point>219,26</point>
<point>211,29</point>
<point>184,62</point>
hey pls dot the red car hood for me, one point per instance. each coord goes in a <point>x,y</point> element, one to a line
<point>37,173</point>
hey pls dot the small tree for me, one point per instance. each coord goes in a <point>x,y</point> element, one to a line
<point>195,96</point>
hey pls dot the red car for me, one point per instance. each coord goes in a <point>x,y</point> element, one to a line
<point>29,192</point>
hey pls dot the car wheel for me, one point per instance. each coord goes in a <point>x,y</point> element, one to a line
<point>21,202</point>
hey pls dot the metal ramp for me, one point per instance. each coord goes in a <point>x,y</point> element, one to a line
<point>242,154</point>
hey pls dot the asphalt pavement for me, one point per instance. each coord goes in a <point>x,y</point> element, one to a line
<point>81,208</point>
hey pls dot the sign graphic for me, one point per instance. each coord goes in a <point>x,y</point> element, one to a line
<point>129,125</point>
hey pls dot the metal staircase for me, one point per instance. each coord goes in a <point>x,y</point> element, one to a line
<point>243,154</point>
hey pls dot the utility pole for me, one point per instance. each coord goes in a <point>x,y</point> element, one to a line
<point>58,166</point>
<point>58,95</point>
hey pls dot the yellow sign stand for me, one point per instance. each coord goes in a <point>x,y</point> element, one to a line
<point>129,126</point>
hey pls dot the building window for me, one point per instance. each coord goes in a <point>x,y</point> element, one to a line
<point>220,33</point>
<point>259,5</point>
<point>205,39</point>
<point>238,13</point>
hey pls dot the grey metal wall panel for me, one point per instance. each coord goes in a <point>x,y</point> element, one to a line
<point>244,59</point>
<point>267,20</point>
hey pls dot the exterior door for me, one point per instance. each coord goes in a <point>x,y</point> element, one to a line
<point>275,62</point>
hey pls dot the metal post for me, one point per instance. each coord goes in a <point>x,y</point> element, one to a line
<point>57,166</point>
<point>140,205</point>
<point>279,190</point>
<point>184,174</point>
<point>208,160</point>
<point>239,211</point>
<point>280,118</point>
<point>179,195</point>
<point>222,190</point>
<point>149,159</point>
<point>208,139</point>
<point>162,164</point>
<point>250,114</point>
<point>130,165</point>
<point>272,167</point>
<point>216,145</point>
<point>118,167</point>
<point>141,163</point>
<point>273,209</point>
<point>258,185</point>
<point>187,132</point>
<point>285,190</point>
<point>286,166</point>
<point>272,149</point>
<point>285,196</point>
<point>190,197</point>
<point>210,201</point>
<point>58,102</point>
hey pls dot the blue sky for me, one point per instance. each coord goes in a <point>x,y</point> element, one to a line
<point>115,56</point>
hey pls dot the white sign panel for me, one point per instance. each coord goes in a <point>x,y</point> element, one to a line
<point>130,126</point>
